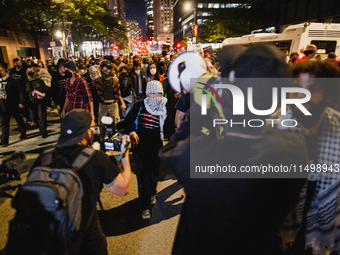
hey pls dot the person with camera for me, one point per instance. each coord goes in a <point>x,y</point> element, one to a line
<point>76,134</point>
<point>145,124</point>
<point>109,93</point>
<point>37,92</point>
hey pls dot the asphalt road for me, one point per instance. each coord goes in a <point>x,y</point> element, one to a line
<point>121,221</point>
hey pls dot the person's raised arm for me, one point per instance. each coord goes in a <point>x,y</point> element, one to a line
<point>121,184</point>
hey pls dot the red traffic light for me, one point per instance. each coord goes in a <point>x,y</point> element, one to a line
<point>178,45</point>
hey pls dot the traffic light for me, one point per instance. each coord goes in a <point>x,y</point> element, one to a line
<point>178,45</point>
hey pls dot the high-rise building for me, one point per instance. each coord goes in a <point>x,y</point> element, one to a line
<point>188,12</point>
<point>116,7</point>
<point>279,14</point>
<point>149,24</point>
<point>133,31</point>
<point>163,21</point>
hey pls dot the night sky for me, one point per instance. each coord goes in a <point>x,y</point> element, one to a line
<point>136,10</point>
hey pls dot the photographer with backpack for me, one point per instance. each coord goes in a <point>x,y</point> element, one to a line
<point>56,207</point>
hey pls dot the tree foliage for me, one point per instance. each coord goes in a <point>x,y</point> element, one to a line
<point>84,18</point>
<point>225,23</point>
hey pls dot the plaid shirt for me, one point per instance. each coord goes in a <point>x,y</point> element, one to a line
<point>79,94</point>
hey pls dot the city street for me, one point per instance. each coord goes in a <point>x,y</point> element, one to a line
<point>126,231</point>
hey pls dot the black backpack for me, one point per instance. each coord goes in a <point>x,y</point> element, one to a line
<point>48,216</point>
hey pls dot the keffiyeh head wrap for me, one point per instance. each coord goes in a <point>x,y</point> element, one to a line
<point>156,105</point>
<point>94,69</point>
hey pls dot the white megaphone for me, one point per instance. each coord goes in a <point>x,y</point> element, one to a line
<point>186,66</point>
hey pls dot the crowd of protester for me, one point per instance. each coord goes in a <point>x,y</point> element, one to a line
<point>226,216</point>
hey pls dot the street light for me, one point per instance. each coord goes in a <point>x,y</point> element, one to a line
<point>59,34</point>
<point>194,27</point>
<point>184,27</point>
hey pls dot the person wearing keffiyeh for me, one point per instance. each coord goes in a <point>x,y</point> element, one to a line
<point>145,123</point>
<point>313,227</point>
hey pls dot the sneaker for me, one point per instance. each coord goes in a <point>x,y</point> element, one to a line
<point>28,123</point>
<point>146,214</point>
<point>44,136</point>
<point>153,200</point>
<point>23,136</point>
<point>33,124</point>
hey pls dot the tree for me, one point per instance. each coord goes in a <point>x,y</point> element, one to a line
<point>39,17</point>
<point>225,23</point>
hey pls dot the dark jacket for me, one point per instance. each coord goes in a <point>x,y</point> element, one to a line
<point>11,95</point>
<point>36,84</point>
<point>58,90</point>
<point>20,75</point>
<point>237,216</point>
<point>126,86</point>
<point>134,77</point>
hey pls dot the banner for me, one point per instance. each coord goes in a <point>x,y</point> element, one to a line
<point>208,50</point>
<point>142,48</point>
<point>57,53</point>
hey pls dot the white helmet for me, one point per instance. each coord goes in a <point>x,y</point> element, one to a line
<point>184,67</point>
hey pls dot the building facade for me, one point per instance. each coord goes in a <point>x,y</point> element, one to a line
<point>14,45</point>
<point>279,14</point>
<point>133,31</point>
<point>149,23</point>
<point>116,7</point>
<point>198,12</point>
<point>164,21</point>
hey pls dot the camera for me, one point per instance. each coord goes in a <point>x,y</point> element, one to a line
<point>113,143</point>
<point>113,139</point>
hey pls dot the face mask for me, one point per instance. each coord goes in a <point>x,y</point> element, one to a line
<point>154,103</point>
<point>30,74</point>
<point>18,66</point>
<point>106,74</point>
<point>68,74</point>
<point>82,71</point>
<point>124,75</point>
<point>153,71</point>
<point>135,63</point>
<point>94,77</point>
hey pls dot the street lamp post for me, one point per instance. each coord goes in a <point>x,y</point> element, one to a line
<point>184,27</point>
<point>188,7</point>
<point>194,37</point>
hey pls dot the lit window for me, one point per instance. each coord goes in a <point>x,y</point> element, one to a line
<point>162,8</point>
<point>216,6</point>
<point>210,5</point>
<point>199,21</point>
<point>222,5</point>
<point>200,5</point>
